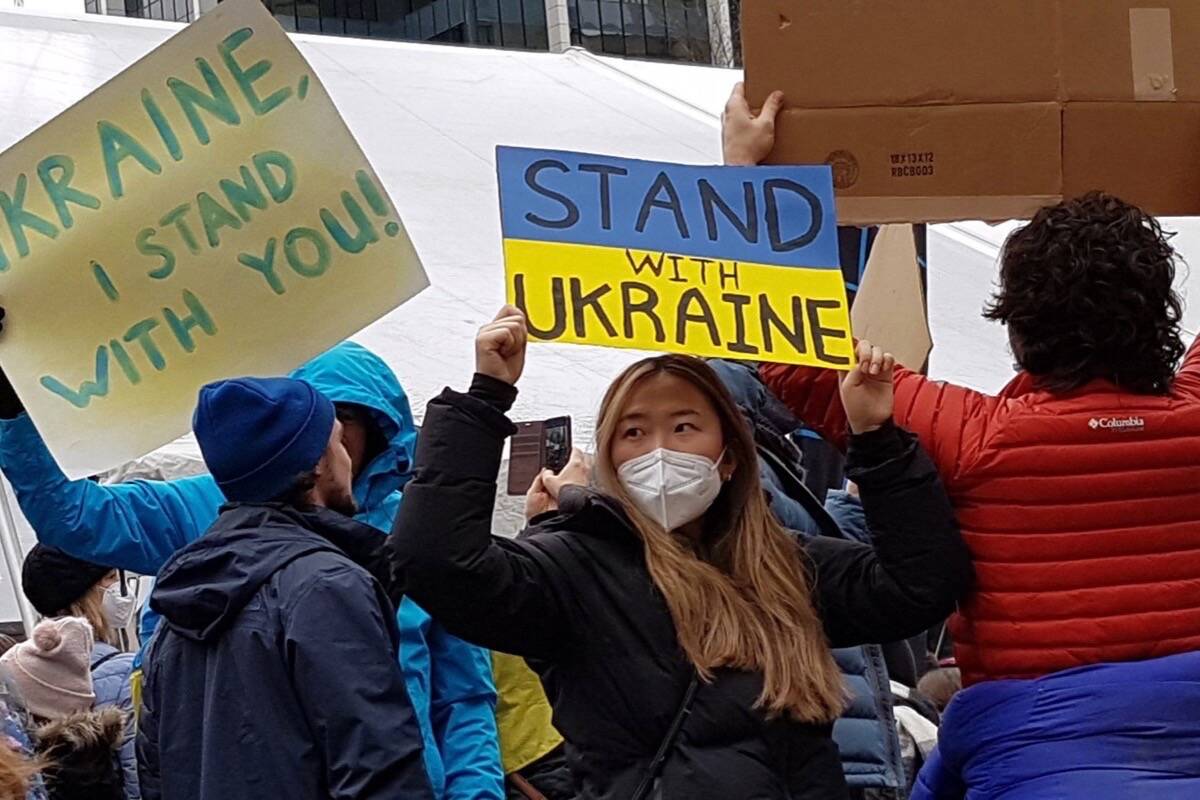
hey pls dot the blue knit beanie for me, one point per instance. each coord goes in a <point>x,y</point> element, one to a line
<point>258,434</point>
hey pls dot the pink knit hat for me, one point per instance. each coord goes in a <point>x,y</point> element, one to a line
<point>52,670</point>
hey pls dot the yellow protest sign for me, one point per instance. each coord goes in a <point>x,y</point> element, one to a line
<point>714,261</point>
<point>204,214</point>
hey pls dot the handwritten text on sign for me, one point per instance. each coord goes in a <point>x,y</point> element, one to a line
<point>204,214</point>
<point>715,261</point>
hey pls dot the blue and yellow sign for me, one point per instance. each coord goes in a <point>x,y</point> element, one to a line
<point>727,262</point>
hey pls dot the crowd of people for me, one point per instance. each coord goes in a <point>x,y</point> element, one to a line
<point>682,618</point>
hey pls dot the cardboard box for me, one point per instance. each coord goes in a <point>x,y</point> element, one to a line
<point>941,110</point>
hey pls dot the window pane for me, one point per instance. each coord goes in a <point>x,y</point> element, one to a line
<point>677,34</point>
<point>441,17</point>
<point>331,17</point>
<point>698,32</point>
<point>589,24</point>
<point>285,12</point>
<point>512,24</point>
<point>487,16</point>
<point>656,28</point>
<point>308,16</point>
<point>635,28</point>
<point>537,36</point>
<point>610,25</point>
<point>428,23</point>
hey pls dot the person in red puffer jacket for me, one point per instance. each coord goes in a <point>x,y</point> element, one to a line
<point>1078,486</point>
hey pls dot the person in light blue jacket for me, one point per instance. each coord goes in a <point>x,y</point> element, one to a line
<point>137,526</point>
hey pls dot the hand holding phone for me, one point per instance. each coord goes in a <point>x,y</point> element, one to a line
<point>539,445</point>
<point>543,495</point>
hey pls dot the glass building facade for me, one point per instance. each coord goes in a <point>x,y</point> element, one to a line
<point>166,10</point>
<point>519,24</point>
<point>661,29</point>
<point>668,29</point>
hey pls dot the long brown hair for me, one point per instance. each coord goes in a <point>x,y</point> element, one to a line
<point>740,598</point>
<point>91,608</point>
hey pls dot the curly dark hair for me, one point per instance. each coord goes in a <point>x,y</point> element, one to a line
<point>1086,290</point>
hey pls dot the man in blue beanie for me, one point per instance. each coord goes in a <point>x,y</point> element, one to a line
<point>274,673</point>
<point>137,526</point>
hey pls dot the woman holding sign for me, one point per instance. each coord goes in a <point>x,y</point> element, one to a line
<point>682,635</point>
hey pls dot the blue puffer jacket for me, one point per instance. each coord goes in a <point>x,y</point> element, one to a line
<point>110,679</point>
<point>137,526</point>
<point>866,732</point>
<point>1105,732</point>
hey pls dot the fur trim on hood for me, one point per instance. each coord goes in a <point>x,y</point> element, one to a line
<point>82,755</point>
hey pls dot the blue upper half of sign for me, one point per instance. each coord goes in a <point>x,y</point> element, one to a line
<point>763,215</point>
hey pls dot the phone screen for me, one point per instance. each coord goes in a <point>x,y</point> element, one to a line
<point>543,444</point>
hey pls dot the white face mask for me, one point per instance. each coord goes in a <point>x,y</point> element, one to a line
<point>670,487</point>
<point>117,608</point>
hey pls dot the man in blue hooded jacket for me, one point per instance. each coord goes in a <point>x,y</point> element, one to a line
<point>138,526</point>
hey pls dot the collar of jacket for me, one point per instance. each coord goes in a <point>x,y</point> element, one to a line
<point>359,541</point>
<point>584,509</point>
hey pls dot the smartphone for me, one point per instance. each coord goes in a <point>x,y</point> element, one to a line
<point>544,444</point>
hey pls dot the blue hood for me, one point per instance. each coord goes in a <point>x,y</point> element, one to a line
<point>350,373</point>
<point>1104,732</point>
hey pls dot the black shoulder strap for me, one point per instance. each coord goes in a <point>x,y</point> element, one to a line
<point>668,743</point>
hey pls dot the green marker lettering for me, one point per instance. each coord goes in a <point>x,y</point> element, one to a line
<point>371,192</point>
<point>245,77</point>
<point>244,195</point>
<point>366,231</point>
<point>217,103</point>
<point>19,219</point>
<point>264,265</point>
<point>116,145</point>
<point>291,249</point>
<point>214,216</point>
<point>175,217</point>
<point>3,259</point>
<point>163,125</point>
<point>182,326</point>
<point>125,362</point>
<point>59,188</point>
<point>279,191</point>
<point>106,284</point>
<point>88,389</point>
<point>147,247</point>
<point>140,332</point>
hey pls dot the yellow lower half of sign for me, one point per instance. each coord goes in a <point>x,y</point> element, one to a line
<point>583,294</point>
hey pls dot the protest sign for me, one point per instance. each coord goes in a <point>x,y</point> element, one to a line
<point>889,308</point>
<point>204,214</point>
<point>730,262</point>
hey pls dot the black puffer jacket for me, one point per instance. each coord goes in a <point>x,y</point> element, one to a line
<point>575,598</point>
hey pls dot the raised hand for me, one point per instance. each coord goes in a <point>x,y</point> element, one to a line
<point>867,393</point>
<point>747,138</point>
<point>500,346</point>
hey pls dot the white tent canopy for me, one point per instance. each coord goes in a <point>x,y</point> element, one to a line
<point>429,117</point>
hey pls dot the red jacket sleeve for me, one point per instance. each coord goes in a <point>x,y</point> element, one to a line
<point>1188,380</point>
<point>948,420</point>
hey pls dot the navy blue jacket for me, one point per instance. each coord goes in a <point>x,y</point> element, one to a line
<point>275,673</point>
